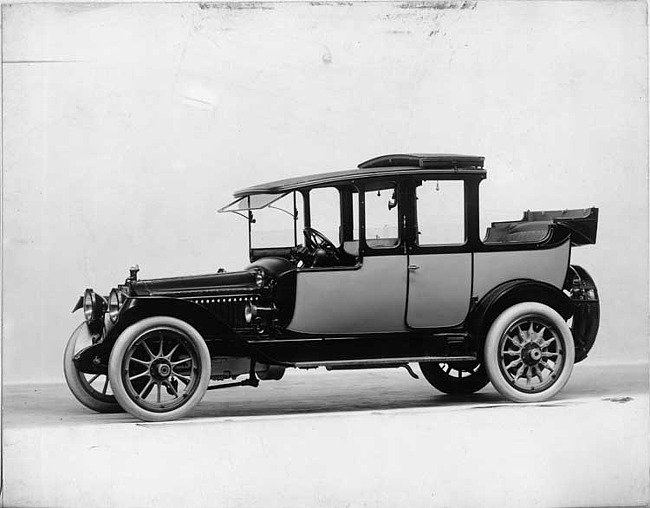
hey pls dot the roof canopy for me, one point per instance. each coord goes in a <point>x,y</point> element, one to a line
<point>425,161</point>
<point>383,166</point>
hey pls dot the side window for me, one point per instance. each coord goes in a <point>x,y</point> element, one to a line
<point>382,219</point>
<point>441,212</point>
<point>325,208</point>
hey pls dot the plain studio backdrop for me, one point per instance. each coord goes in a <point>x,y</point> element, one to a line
<point>127,126</point>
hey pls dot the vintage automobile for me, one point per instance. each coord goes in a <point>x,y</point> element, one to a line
<point>380,266</point>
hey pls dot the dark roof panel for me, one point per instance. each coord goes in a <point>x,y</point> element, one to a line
<point>425,160</point>
<point>384,166</point>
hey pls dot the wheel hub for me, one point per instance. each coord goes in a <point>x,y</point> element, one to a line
<point>160,369</point>
<point>531,354</point>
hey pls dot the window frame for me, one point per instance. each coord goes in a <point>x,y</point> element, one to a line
<point>413,247</point>
<point>250,218</point>
<point>464,221</point>
<point>307,210</point>
<point>364,248</point>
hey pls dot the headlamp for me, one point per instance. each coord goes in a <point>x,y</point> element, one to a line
<point>93,306</point>
<point>259,278</point>
<point>115,302</point>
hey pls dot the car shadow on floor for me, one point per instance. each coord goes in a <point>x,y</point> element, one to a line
<point>53,404</point>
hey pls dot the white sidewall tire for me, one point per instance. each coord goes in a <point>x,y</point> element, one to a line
<point>491,353</point>
<point>108,403</point>
<point>126,339</point>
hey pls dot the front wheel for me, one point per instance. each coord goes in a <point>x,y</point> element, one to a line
<point>92,390</point>
<point>458,378</point>
<point>529,352</point>
<point>159,368</point>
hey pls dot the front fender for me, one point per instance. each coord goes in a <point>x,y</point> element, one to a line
<point>206,323</point>
<point>82,337</point>
<point>87,349</point>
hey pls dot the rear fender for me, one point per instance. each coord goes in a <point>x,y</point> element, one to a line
<point>586,318</point>
<point>511,293</point>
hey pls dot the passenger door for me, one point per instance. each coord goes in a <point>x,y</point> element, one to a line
<point>369,297</point>
<point>439,266</point>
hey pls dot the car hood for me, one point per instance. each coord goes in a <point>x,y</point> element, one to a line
<point>212,284</point>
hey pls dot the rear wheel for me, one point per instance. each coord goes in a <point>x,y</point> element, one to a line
<point>457,378</point>
<point>92,390</point>
<point>529,352</point>
<point>159,368</point>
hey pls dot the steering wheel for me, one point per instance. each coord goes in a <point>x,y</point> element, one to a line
<point>315,240</point>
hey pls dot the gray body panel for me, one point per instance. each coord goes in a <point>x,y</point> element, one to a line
<point>373,298</point>
<point>545,265</point>
<point>370,299</point>
<point>439,289</point>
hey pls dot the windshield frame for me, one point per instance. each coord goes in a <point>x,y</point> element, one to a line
<point>247,211</point>
<point>272,198</point>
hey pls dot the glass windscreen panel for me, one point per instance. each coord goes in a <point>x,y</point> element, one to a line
<point>274,224</point>
<point>252,202</point>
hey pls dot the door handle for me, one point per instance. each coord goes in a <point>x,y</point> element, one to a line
<point>414,267</point>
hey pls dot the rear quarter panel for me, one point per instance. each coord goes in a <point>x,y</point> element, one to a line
<point>494,268</point>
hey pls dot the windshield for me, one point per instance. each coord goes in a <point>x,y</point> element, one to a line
<point>275,219</point>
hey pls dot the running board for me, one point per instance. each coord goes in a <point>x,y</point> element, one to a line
<point>379,362</point>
